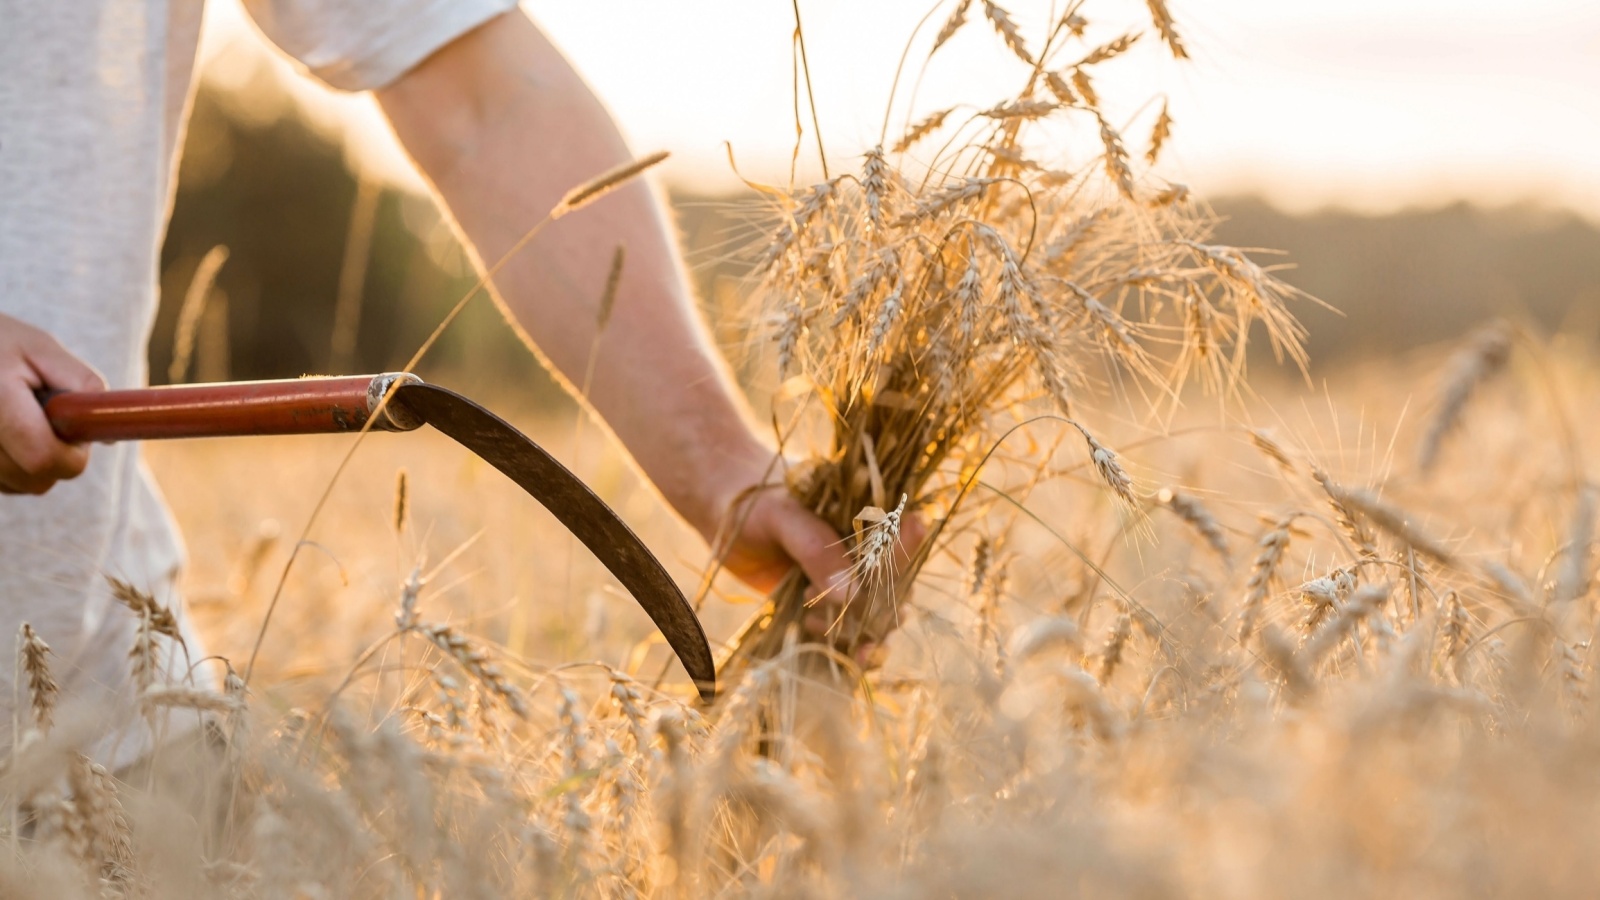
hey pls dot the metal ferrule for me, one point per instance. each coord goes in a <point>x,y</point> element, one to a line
<point>393,416</point>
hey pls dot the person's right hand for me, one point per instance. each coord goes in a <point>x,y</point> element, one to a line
<point>32,458</point>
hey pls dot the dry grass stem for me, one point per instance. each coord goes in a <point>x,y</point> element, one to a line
<point>608,295</point>
<point>605,183</point>
<point>1345,514</point>
<point>1393,520</point>
<point>476,663</point>
<point>402,507</point>
<point>194,304</point>
<point>173,696</point>
<point>1269,553</point>
<point>1159,134</point>
<point>958,18</point>
<point>1192,511</point>
<point>1008,30</point>
<point>1163,22</point>
<point>921,129</point>
<point>1116,643</point>
<point>1484,355</point>
<point>42,687</point>
<point>1109,468</point>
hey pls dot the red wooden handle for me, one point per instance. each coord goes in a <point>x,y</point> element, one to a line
<point>298,406</point>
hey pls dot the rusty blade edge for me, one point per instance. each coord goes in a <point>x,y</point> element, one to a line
<point>583,513</point>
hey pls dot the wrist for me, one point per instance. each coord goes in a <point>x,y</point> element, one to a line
<point>725,476</point>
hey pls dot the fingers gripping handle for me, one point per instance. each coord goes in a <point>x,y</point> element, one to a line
<point>234,409</point>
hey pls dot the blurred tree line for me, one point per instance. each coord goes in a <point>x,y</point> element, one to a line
<point>327,274</point>
<point>1420,276</point>
<point>324,273</point>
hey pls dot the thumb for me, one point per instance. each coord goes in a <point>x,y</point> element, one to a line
<point>59,369</point>
<point>817,550</point>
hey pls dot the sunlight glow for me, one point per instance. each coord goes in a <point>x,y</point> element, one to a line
<point>1366,104</point>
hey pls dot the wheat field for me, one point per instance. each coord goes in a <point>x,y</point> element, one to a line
<point>1173,631</point>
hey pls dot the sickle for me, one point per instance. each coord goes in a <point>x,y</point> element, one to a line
<point>344,404</point>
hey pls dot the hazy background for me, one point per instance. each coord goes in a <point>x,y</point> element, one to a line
<point>1423,165</point>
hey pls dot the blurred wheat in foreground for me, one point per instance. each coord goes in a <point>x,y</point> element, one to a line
<point>1147,652</point>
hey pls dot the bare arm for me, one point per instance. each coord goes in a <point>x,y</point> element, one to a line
<point>503,126</point>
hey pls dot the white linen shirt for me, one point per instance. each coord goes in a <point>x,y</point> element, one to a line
<point>94,95</point>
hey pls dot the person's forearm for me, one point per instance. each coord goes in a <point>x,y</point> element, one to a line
<point>528,131</point>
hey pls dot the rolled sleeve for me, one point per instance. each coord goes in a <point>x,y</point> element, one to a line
<point>356,46</point>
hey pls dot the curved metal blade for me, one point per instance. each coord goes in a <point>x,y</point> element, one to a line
<point>584,514</point>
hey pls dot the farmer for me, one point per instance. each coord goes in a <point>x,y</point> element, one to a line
<point>93,100</point>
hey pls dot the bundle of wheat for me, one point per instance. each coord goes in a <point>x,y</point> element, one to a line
<point>919,305</point>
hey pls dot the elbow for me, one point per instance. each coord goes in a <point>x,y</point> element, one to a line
<point>445,110</point>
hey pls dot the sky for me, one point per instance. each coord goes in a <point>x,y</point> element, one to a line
<point>1370,105</point>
